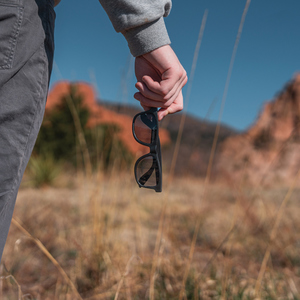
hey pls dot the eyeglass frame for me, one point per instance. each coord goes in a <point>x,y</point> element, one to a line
<point>155,152</point>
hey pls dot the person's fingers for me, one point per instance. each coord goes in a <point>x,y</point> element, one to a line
<point>176,106</point>
<point>169,98</point>
<point>170,80</point>
<point>173,98</point>
<point>176,89</point>
<point>153,85</point>
<point>148,102</point>
<point>156,102</point>
<point>145,107</point>
<point>143,89</point>
<point>161,102</point>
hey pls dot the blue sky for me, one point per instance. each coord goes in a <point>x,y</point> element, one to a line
<point>88,49</point>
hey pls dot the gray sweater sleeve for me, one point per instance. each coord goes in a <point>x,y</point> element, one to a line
<point>140,21</point>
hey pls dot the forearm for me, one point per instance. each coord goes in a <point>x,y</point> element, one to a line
<point>141,22</point>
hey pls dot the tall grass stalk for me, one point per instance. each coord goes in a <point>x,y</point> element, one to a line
<point>80,135</point>
<point>216,136</point>
<point>174,158</point>
<point>79,130</point>
<point>94,83</point>
<point>187,96</point>
<point>209,168</point>
<point>124,275</point>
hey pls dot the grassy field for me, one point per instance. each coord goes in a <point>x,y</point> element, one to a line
<point>104,238</point>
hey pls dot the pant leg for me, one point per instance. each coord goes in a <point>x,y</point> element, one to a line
<point>26,54</point>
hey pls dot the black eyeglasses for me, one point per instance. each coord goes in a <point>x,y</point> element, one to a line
<point>147,169</point>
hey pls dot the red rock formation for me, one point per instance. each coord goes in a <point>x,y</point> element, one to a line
<point>269,152</point>
<point>101,115</point>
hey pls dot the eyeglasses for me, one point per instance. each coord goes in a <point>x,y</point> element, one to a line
<point>147,169</point>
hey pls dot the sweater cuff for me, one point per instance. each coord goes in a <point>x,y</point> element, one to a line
<point>148,37</point>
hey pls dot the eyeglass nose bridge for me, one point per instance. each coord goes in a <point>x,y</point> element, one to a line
<point>153,148</point>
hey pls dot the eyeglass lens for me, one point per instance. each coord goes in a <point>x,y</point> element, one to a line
<point>146,171</point>
<point>143,127</point>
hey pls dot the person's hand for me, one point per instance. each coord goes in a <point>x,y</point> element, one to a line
<point>160,79</point>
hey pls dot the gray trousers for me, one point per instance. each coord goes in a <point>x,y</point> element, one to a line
<point>26,55</point>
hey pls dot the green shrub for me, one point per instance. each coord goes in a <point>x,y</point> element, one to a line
<point>43,170</point>
<point>106,149</point>
<point>58,137</point>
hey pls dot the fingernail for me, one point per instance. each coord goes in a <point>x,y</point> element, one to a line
<point>138,86</point>
<point>164,114</point>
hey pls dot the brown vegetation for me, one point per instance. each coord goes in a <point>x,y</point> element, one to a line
<point>102,232</point>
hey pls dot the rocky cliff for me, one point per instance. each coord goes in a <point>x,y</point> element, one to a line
<point>269,152</point>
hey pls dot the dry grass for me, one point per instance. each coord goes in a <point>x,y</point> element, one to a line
<point>102,233</point>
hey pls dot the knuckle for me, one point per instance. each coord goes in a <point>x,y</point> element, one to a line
<point>180,107</point>
<point>166,98</point>
<point>184,74</point>
<point>143,101</point>
<point>181,72</point>
<point>168,103</point>
<point>164,92</point>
